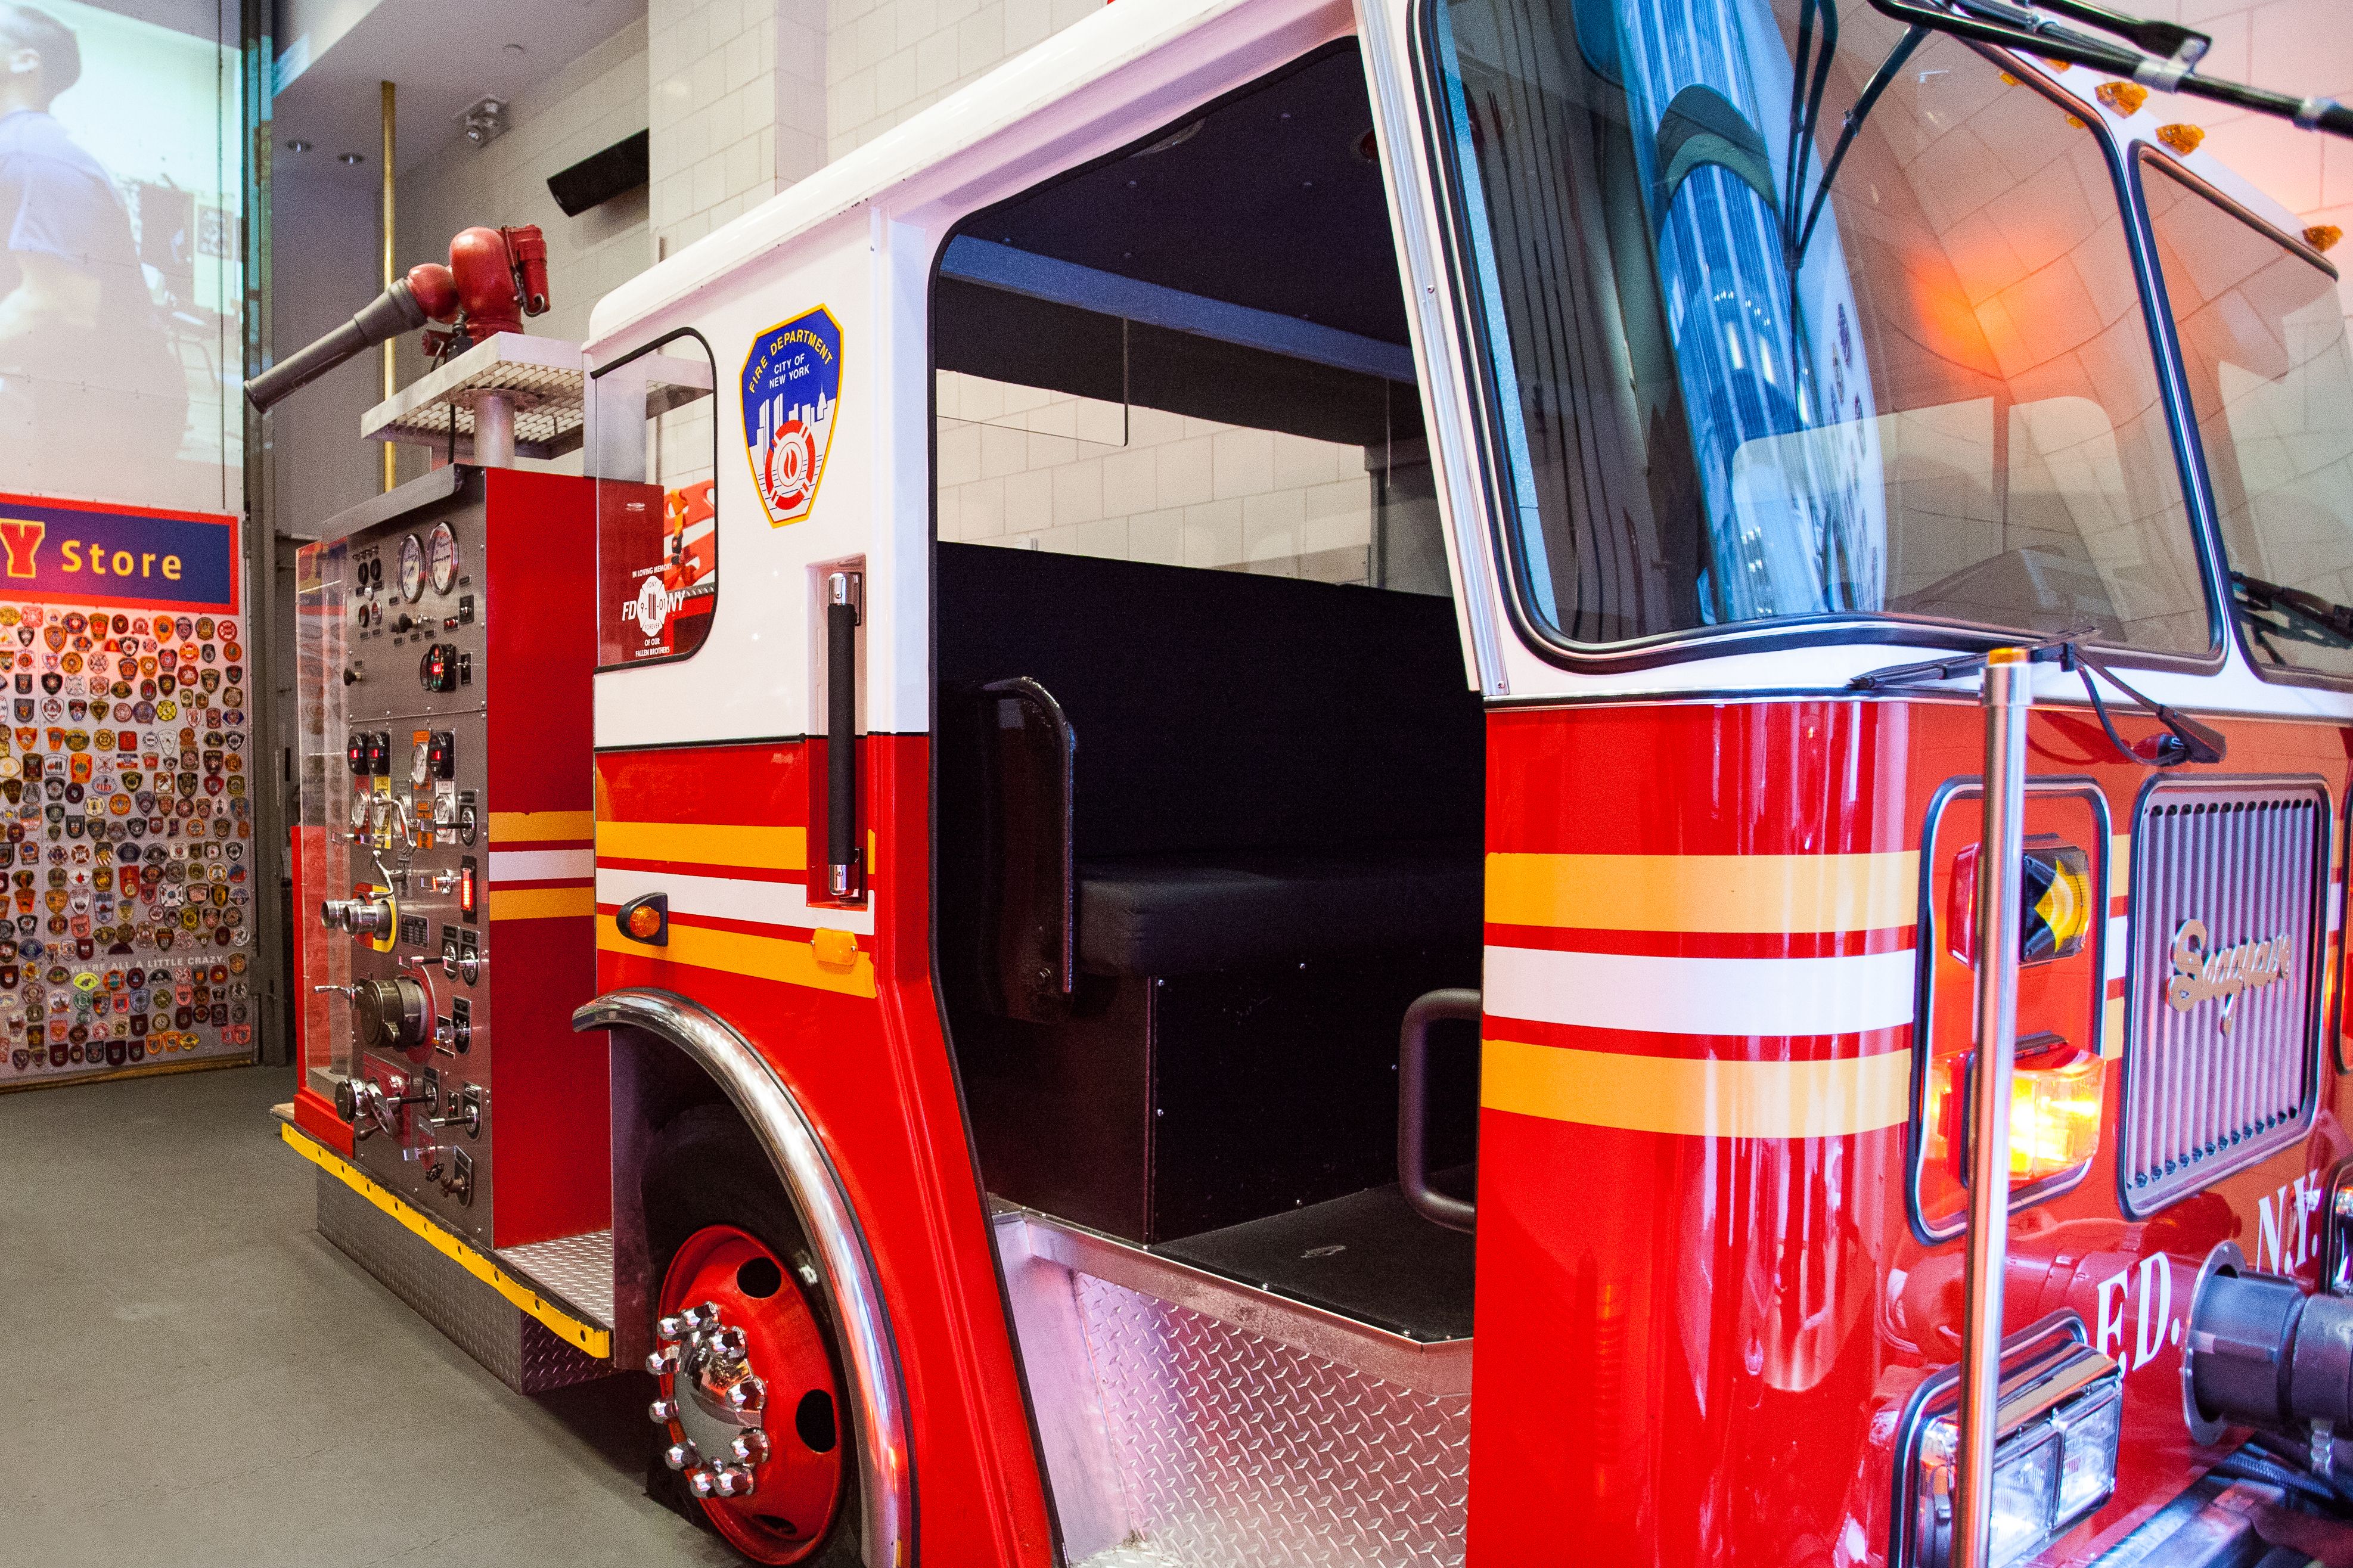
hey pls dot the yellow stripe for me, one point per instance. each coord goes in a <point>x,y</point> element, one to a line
<point>705,844</point>
<point>739,953</point>
<point>1706,892</point>
<point>597,1342</point>
<point>540,827</point>
<point>1706,1099</point>
<point>2112,1029</point>
<point>540,903</point>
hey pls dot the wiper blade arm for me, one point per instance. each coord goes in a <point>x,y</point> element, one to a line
<point>2186,741</point>
<point>2262,595</point>
<point>1955,666</point>
<point>2166,40</point>
<point>2023,28</point>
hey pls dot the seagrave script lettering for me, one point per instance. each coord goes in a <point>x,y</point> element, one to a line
<point>2200,973</point>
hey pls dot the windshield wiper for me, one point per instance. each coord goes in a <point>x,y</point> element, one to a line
<point>2187,742</point>
<point>2156,54</point>
<point>2335,619</point>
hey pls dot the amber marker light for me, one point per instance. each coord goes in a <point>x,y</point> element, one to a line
<point>2180,139</point>
<point>645,919</point>
<point>2123,96</point>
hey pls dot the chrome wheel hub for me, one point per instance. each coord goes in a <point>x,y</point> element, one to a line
<point>714,1400</point>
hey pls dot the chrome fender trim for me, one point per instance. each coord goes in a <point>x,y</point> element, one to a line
<point>880,1406</point>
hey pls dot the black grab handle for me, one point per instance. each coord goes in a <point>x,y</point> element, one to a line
<point>844,864</point>
<point>1413,1106</point>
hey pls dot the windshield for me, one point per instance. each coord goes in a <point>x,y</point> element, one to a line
<point>1724,397</point>
<point>2262,341</point>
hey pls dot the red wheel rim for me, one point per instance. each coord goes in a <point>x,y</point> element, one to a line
<point>748,1396</point>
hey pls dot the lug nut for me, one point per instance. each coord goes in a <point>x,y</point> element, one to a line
<point>699,1483</point>
<point>728,1480</point>
<point>668,1328</point>
<point>677,1455</point>
<point>661,1360</point>
<point>663,1411</point>
<point>728,1343</point>
<point>751,1446</point>
<point>749,1394</point>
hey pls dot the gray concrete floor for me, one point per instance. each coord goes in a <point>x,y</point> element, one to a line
<point>199,1379</point>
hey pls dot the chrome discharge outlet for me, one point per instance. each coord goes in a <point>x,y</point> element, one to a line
<point>2263,1352</point>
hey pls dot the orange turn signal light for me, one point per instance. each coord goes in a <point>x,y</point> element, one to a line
<point>645,922</point>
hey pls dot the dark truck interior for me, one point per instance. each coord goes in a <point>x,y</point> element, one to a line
<point>1205,835</point>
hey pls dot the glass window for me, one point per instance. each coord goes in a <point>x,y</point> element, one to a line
<point>657,504</point>
<point>1747,372</point>
<point>2263,339</point>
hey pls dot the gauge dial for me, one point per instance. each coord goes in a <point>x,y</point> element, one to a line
<point>412,569</point>
<point>421,766</point>
<point>441,552</point>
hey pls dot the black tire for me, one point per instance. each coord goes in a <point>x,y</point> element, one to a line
<point>706,1168</point>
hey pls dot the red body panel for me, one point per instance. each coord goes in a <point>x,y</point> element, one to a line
<point>1695,1348</point>
<point>874,1076</point>
<point>553,1101</point>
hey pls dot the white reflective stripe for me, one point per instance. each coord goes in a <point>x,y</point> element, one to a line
<point>2118,957</point>
<point>1702,995</point>
<point>729,899</point>
<point>2336,905</point>
<point>543,864</point>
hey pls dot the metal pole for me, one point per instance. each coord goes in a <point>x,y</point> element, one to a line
<point>2000,849</point>
<point>391,385</point>
<point>493,432</point>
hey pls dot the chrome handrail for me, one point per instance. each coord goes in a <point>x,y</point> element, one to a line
<point>2007,698</point>
<point>880,1410</point>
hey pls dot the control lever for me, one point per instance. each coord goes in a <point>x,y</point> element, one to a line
<point>461,1110</point>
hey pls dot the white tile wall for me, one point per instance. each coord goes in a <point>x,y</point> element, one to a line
<point>885,60</point>
<point>1032,469</point>
<point>737,107</point>
<point>587,106</point>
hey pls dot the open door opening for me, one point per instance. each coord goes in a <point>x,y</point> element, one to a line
<point>1210,772</point>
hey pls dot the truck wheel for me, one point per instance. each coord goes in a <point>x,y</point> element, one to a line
<point>748,1412</point>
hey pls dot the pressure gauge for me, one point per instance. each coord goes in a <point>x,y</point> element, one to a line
<point>412,569</point>
<point>441,553</point>
<point>420,765</point>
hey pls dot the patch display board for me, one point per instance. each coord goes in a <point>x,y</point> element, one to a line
<point>126,815</point>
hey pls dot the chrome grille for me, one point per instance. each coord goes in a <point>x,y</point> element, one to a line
<point>2215,1076</point>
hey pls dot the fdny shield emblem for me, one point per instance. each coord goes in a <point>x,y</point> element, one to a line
<point>792,387</point>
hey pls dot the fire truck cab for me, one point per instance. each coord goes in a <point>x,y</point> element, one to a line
<point>1288,777</point>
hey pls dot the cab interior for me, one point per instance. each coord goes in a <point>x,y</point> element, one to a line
<point>1210,769</point>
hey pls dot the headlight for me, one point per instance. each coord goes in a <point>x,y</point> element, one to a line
<point>2054,1463</point>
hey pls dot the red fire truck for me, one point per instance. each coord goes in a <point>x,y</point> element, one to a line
<point>1450,781</point>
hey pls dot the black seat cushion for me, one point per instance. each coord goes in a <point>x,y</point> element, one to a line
<point>1193,913</point>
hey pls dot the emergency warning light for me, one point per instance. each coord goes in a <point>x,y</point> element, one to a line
<point>2057,1094</point>
<point>2055,903</point>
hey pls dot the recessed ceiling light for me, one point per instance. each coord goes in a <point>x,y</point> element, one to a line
<point>298,145</point>
<point>347,158</point>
